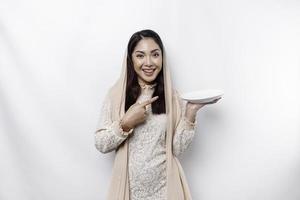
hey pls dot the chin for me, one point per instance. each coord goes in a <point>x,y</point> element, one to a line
<point>149,80</point>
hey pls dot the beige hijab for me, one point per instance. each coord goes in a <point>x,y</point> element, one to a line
<point>177,187</point>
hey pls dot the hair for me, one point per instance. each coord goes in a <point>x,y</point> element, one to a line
<point>133,89</point>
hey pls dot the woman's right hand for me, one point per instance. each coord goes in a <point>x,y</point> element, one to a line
<point>136,114</point>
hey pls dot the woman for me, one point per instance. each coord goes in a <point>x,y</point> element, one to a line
<point>147,124</point>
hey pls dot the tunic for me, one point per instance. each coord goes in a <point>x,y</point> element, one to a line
<point>147,147</point>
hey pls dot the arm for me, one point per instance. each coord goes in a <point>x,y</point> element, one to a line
<point>185,131</point>
<point>109,134</point>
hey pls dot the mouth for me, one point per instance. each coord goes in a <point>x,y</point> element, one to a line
<point>148,72</point>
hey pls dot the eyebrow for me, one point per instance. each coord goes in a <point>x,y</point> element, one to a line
<point>143,52</point>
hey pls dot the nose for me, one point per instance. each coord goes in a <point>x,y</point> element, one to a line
<point>148,61</point>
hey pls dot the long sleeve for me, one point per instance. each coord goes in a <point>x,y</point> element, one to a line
<point>108,134</point>
<point>184,133</point>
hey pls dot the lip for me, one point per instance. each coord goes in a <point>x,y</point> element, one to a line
<point>148,72</point>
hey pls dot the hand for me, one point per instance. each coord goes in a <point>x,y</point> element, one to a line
<point>192,108</point>
<point>136,114</point>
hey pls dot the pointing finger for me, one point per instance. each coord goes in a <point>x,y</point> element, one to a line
<point>149,101</point>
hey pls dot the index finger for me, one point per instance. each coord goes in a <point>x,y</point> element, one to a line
<point>149,101</point>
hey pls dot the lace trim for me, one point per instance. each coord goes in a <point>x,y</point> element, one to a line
<point>147,86</point>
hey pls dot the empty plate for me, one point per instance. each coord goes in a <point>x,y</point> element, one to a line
<point>202,96</point>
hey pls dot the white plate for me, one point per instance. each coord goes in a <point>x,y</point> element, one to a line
<point>202,96</point>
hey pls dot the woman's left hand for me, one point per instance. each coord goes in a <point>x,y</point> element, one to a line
<point>192,108</point>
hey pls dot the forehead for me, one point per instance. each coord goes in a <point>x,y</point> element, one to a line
<point>146,45</point>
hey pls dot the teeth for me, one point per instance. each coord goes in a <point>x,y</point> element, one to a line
<point>148,70</point>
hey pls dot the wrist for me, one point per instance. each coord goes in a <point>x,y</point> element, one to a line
<point>190,114</point>
<point>125,126</point>
<point>191,117</point>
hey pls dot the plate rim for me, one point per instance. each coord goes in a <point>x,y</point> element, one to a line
<point>183,95</point>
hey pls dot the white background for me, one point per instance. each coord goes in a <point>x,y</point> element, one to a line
<point>58,58</point>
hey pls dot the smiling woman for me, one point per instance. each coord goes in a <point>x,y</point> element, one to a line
<point>148,62</point>
<point>148,125</point>
<point>144,67</point>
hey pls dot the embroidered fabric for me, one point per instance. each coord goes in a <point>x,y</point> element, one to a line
<point>147,154</point>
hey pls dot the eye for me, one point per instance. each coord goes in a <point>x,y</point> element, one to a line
<point>156,54</point>
<point>140,56</point>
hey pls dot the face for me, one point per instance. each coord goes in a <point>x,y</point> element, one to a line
<point>147,60</point>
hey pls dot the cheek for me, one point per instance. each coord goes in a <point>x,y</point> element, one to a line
<point>159,69</point>
<point>137,64</point>
<point>158,63</point>
<point>138,70</point>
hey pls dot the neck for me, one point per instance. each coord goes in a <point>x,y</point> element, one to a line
<point>147,85</point>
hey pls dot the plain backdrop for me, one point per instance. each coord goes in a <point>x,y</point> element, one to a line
<point>58,58</point>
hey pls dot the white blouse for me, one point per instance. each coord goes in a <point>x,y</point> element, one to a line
<point>147,147</point>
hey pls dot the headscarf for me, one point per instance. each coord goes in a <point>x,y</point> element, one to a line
<point>177,187</point>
